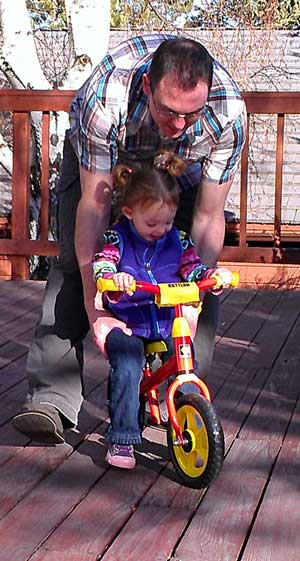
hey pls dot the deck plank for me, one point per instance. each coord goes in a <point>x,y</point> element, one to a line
<point>30,522</point>
<point>21,473</point>
<point>219,527</point>
<point>17,298</point>
<point>45,555</point>
<point>275,535</point>
<point>101,516</point>
<point>252,374</point>
<point>11,443</point>
<point>238,340</point>
<point>274,407</point>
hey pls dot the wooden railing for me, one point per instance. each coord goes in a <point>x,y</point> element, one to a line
<point>18,247</point>
<point>21,102</point>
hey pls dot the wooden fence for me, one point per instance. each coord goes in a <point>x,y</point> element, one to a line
<point>259,261</point>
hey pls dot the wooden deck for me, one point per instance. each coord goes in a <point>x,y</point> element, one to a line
<point>63,504</point>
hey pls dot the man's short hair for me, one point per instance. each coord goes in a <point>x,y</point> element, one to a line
<point>185,58</point>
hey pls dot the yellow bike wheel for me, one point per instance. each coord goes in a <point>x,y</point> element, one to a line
<point>199,460</point>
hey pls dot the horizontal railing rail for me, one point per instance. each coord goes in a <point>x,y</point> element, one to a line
<point>18,247</point>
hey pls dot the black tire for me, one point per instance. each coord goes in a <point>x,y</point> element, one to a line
<point>198,462</point>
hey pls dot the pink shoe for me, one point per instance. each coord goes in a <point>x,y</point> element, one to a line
<point>120,455</point>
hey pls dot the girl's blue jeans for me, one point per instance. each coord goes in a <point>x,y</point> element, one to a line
<point>126,358</point>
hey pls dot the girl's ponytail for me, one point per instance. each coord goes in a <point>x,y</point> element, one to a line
<point>121,175</point>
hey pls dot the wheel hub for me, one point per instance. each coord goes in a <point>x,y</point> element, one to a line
<point>189,441</point>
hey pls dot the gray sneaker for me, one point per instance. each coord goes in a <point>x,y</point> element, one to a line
<point>41,423</point>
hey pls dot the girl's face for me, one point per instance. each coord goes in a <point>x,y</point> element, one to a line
<point>151,221</point>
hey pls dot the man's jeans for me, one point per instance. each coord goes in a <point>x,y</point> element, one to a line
<point>55,360</point>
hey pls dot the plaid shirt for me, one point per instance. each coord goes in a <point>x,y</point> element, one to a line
<point>110,118</point>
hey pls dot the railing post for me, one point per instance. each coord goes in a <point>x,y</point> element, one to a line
<point>44,215</point>
<point>278,254</point>
<point>20,190</point>
<point>244,191</point>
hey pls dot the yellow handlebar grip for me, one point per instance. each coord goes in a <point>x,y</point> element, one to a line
<point>105,284</point>
<point>235,279</point>
<point>108,285</point>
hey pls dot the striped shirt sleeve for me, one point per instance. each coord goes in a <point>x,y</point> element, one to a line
<point>221,164</point>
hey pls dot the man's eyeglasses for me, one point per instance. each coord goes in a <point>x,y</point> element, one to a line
<point>167,113</point>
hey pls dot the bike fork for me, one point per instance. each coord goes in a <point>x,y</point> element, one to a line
<point>170,399</point>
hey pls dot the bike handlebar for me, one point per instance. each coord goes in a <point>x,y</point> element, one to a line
<point>168,294</point>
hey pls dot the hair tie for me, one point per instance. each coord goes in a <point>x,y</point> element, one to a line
<point>170,162</point>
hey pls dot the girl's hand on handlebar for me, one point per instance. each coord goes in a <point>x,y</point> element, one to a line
<point>123,281</point>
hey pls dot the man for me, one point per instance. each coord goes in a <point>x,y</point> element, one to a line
<point>149,94</point>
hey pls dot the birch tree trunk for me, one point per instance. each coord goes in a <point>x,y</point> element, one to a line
<point>88,22</point>
<point>19,59</point>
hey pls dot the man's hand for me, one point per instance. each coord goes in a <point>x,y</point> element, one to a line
<point>102,322</point>
<point>224,279</point>
<point>102,325</point>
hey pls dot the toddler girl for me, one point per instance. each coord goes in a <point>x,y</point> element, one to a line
<point>143,245</point>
